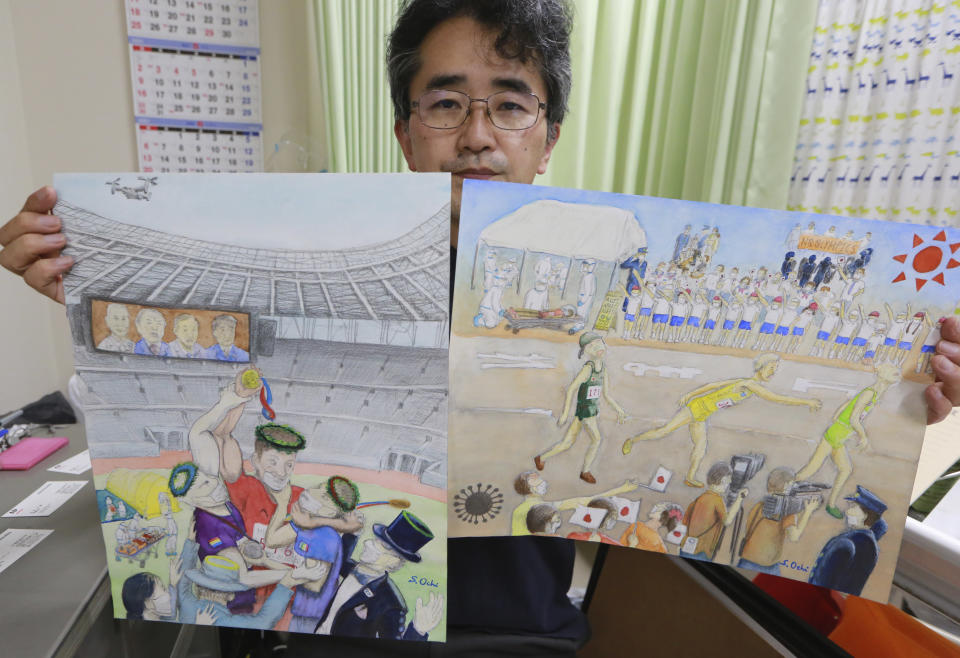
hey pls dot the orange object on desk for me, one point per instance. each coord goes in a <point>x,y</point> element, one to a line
<point>860,626</point>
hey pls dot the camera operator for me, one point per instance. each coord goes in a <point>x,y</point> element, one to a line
<point>708,515</point>
<point>763,542</point>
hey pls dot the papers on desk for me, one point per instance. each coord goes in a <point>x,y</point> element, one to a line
<point>75,465</point>
<point>15,543</point>
<point>47,499</point>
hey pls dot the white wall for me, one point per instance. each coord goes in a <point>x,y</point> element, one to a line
<point>67,107</point>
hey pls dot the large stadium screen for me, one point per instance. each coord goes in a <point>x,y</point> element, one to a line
<point>170,332</point>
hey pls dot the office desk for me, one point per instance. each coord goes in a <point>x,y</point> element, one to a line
<point>51,595</point>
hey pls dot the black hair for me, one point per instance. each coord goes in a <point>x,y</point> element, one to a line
<point>527,30</point>
<point>717,472</point>
<point>136,590</point>
<point>539,516</point>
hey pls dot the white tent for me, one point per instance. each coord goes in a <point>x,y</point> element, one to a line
<point>572,230</point>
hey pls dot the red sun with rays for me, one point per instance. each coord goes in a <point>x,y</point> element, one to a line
<point>928,260</point>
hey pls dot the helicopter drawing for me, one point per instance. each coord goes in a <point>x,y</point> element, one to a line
<point>139,192</point>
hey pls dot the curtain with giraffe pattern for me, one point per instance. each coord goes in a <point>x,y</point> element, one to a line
<point>879,135</point>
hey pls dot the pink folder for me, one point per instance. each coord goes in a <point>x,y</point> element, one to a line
<point>28,452</point>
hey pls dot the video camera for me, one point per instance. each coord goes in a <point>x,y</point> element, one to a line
<point>743,468</point>
<point>781,505</point>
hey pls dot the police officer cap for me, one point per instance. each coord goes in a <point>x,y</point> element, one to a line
<point>867,500</point>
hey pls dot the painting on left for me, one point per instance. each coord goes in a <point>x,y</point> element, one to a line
<point>261,365</point>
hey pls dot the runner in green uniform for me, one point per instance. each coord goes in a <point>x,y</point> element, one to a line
<point>698,405</point>
<point>847,421</point>
<point>590,384</point>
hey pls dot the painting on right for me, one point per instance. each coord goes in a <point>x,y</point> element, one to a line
<point>737,385</point>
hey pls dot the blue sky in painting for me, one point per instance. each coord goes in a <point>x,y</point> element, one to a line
<point>749,236</point>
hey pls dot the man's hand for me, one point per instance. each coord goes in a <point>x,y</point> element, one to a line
<point>206,616</point>
<point>283,498</point>
<point>743,493</point>
<point>426,617</point>
<point>301,518</point>
<point>354,522</point>
<point>814,405</point>
<point>811,505</point>
<point>627,486</point>
<point>943,395</point>
<point>32,242</point>
<point>621,416</point>
<point>176,570</point>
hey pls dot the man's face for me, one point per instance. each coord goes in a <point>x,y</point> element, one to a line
<point>273,467</point>
<point>855,516</point>
<point>118,320</point>
<point>458,55</point>
<point>186,332</point>
<point>769,370</point>
<point>151,326</point>
<point>206,491</point>
<point>224,333</point>
<point>378,555</point>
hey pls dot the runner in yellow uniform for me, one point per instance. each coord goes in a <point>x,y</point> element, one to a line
<point>848,421</point>
<point>699,404</point>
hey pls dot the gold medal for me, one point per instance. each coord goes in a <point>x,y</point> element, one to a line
<point>250,378</point>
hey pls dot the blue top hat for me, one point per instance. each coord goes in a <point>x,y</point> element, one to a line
<point>406,535</point>
<point>867,500</point>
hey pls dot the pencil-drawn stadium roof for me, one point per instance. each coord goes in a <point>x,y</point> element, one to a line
<point>563,229</point>
<point>403,279</point>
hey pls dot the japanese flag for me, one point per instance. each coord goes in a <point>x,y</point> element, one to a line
<point>627,510</point>
<point>660,479</point>
<point>676,535</point>
<point>588,517</point>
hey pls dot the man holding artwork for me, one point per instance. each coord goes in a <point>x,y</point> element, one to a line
<point>455,47</point>
<point>701,403</point>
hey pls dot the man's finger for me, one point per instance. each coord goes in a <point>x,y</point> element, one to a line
<point>45,276</point>
<point>25,223</point>
<point>25,250</point>
<point>948,373</point>
<point>951,330</point>
<point>41,201</point>
<point>938,406</point>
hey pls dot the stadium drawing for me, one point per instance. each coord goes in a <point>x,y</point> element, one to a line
<point>263,389</point>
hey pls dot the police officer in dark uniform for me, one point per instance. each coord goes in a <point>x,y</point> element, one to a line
<point>847,560</point>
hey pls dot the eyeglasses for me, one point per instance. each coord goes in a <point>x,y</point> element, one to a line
<point>508,110</point>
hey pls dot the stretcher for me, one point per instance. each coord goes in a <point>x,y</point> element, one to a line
<point>141,547</point>
<point>558,319</point>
